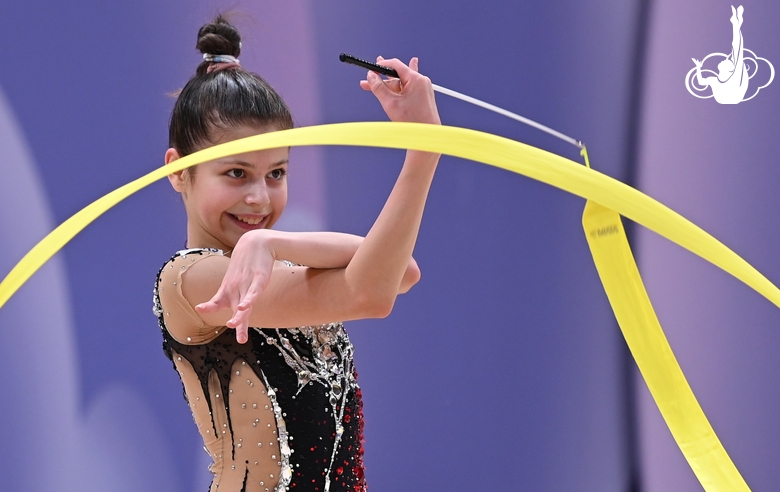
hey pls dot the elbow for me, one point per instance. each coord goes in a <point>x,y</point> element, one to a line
<point>410,278</point>
<point>375,306</point>
<point>377,299</point>
<point>384,308</point>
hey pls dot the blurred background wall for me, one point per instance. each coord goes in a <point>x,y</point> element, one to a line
<point>718,166</point>
<point>503,368</point>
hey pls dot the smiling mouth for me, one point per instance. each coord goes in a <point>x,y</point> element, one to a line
<point>249,221</point>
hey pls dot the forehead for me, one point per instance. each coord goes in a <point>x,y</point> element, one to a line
<point>259,158</point>
<point>222,135</point>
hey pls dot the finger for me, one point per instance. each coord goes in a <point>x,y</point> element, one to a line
<point>365,84</point>
<point>240,317</point>
<point>216,303</point>
<point>241,324</point>
<point>394,85</point>
<point>207,307</point>
<point>391,83</point>
<point>242,334</point>
<point>377,86</point>
<point>414,64</point>
<point>404,72</point>
<point>240,321</point>
<point>242,310</point>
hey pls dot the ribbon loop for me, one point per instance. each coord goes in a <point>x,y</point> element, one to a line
<point>608,199</point>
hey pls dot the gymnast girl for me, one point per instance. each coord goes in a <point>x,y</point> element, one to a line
<point>278,408</point>
<point>731,84</point>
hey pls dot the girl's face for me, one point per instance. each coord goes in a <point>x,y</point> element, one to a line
<point>227,197</point>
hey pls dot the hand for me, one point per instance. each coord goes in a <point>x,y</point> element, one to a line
<point>697,62</point>
<point>408,98</point>
<point>248,274</point>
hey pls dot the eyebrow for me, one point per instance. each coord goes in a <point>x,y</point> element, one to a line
<point>251,166</point>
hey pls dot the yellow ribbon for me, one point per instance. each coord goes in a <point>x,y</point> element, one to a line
<point>652,353</point>
<point>506,154</point>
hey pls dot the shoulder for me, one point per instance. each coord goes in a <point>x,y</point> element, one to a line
<point>189,278</point>
<point>186,269</point>
<point>183,261</point>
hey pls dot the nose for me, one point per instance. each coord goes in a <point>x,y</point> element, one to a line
<point>257,194</point>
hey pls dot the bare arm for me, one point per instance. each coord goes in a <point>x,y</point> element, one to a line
<point>321,250</point>
<point>246,293</point>
<point>328,250</point>
<point>699,78</point>
<point>394,234</point>
<point>313,249</point>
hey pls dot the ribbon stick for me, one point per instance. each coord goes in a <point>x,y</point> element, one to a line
<point>481,147</point>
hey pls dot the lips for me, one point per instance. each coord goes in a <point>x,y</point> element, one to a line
<point>249,222</point>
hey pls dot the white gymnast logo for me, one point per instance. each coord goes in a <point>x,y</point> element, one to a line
<point>730,84</point>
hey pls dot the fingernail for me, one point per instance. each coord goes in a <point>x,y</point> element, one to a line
<point>371,76</point>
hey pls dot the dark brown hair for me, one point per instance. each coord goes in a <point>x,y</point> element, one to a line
<point>222,95</point>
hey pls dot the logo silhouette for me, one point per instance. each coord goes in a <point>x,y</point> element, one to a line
<point>730,84</point>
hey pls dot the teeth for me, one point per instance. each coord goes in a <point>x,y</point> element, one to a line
<point>248,220</point>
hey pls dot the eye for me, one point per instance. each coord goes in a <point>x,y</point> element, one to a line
<point>236,173</point>
<point>278,173</point>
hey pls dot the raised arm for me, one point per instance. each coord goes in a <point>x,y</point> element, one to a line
<point>380,261</point>
<point>701,80</point>
<point>236,293</point>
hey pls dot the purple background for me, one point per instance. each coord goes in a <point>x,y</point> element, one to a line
<point>503,368</point>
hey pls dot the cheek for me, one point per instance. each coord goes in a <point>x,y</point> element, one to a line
<point>279,198</point>
<point>278,202</point>
<point>216,201</point>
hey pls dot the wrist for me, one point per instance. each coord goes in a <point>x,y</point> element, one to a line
<point>266,239</point>
<point>423,157</point>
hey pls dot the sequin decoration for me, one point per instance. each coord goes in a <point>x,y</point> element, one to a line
<point>330,365</point>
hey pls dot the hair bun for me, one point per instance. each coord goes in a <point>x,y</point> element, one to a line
<point>219,37</point>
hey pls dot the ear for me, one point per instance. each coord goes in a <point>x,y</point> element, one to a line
<point>177,179</point>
